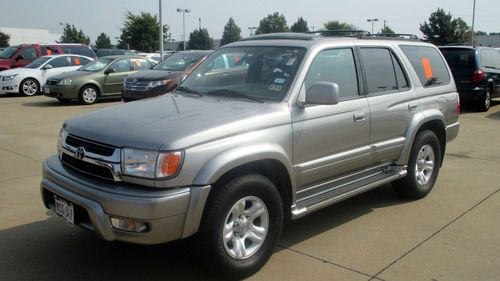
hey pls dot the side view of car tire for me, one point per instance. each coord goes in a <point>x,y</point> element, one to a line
<point>88,94</point>
<point>29,87</point>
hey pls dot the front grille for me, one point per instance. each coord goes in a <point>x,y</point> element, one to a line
<point>87,168</point>
<point>138,86</point>
<point>51,82</point>
<point>90,146</point>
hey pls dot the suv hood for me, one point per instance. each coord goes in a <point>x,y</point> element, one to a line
<point>172,122</point>
<point>152,75</point>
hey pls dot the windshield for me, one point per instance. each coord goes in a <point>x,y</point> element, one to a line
<point>37,63</point>
<point>7,53</point>
<point>178,62</point>
<point>97,65</point>
<point>257,73</point>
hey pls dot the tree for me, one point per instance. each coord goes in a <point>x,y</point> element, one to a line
<point>103,41</point>
<point>200,40</point>
<point>4,40</point>
<point>443,29</point>
<point>141,32</point>
<point>336,25</point>
<point>272,23</point>
<point>300,26</point>
<point>387,30</point>
<point>72,35</point>
<point>232,33</point>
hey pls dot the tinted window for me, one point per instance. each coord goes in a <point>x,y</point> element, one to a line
<point>459,58</point>
<point>140,64</point>
<point>428,64</point>
<point>401,79</point>
<point>379,70</point>
<point>82,51</point>
<point>122,65</point>
<point>336,66</point>
<point>103,53</point>
<point>47,51</point>
<point>59,62</point>
<point>29,53</point>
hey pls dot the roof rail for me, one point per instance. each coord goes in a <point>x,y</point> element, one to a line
<point>340,33</point>
<point>394,36</point>
<point>282,35</point>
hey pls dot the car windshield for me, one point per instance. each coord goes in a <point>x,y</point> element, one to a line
<point>97,65</point>
<point>37,63</point>
<point>7,53</point>
<point>178,62</point>
<point>261,73</point>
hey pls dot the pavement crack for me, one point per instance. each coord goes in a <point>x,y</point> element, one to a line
<point>332,263</point>
<point>435,233</point>
<point>19,154</point>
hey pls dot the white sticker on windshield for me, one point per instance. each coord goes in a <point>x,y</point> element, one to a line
<point>291,61</point>
<point>279,81</point>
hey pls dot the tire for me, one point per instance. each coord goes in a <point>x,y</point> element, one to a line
<point>64,101</point>
<point>228,213</point>
<point>485,103</point>
<point>88,94</point>
<point>29,87</point>
<point>423,167</point>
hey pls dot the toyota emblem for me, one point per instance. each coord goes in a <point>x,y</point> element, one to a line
<point>135,81</point>
<point>80,152</point>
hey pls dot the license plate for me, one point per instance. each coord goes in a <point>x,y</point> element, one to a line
<point>47,90</point>
<point>64,209</point>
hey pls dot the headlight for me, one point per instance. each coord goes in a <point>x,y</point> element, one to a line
<point>150,164</point>
<point>154,84</point>
<point>64,82</point>
<point>60,140</point>
<point>8,78</point>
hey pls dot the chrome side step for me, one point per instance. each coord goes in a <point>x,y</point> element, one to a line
<point>337,193</point>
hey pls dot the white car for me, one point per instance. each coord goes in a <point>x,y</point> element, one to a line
<point>28,80</point>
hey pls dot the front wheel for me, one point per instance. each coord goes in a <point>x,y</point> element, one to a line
<point>88,94</point>
<point>29,87</point>
<point>241,226</point>
<point>423,167</point>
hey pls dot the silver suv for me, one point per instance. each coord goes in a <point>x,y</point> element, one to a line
<point>296,123</point>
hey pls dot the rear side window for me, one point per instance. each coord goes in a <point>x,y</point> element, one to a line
<point>488,59</point>
<point>140,64</point>
<point>82,51</point>
<point>78,61</point>
<point>428,64</point>
<point>49,50</point>
<point>382,70</point>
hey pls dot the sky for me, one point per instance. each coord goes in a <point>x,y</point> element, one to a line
<point>96,16</point>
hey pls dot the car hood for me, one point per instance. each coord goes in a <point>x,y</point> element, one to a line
<point>9,72</point>
<point>152,75</point>
<point>72,75</point>
<point>172,122</point>
<point>5,62</point>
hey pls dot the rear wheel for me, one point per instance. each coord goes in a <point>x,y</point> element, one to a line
<point>485,102</point>
<point>423,167</point>
<point>29,87</point>
<point>241,226</point>
<point>88,94</point>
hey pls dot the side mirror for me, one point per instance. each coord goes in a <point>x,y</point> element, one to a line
<point>19,57</point>
<point>110,70</point>
<point>47,66</point>
<point>323,93</point>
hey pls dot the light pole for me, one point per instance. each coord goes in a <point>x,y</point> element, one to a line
<point>252,30</point>
<point>184,12</point>
<point>372,21</point>
<point>161,31</point>
<point>473,18</point>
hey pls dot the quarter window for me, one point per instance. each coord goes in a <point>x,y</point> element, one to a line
<point>140,64</point>
<point>428,64</point>
<point>335,66</point>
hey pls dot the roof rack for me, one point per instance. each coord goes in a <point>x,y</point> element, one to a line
<point>340,33</point>
<point>282,35</point>
<point>394,36</point>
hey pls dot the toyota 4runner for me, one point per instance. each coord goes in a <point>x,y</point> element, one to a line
<point>297,123</point>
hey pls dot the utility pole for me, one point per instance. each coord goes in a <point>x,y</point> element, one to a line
<point>199,23</point>
<point>161,31</point>
<point>473,18</point>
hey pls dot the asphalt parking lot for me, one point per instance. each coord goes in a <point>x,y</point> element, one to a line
<point>453,234</point>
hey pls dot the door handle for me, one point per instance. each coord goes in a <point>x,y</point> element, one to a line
<point>359,117</point>
<point>412,106</point>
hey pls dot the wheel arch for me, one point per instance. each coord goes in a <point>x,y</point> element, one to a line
<point>93,84</point>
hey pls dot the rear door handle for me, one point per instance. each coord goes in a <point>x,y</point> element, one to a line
<point>412,106</point>
<point>359,117</point>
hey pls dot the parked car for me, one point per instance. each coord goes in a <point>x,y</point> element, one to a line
<point>477,73</point>
<point>300,122</point>
<point>102,78</point>
<point>114,52</point>
<point>27,80</point>
<point>163,77</point>
<point>21,55</point>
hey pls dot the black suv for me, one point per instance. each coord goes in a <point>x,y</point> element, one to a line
<point>477,73</point>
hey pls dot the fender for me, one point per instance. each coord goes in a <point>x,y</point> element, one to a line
<point>418,121</point>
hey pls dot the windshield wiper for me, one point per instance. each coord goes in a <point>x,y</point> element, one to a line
<point>235,94</point>
<point>189,91</point>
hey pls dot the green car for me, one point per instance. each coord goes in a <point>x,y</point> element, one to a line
<point>101,78</point>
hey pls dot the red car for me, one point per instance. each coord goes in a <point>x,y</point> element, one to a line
<point>21,55</point>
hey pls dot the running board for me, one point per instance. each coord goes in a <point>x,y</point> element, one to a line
<point>336,194</point>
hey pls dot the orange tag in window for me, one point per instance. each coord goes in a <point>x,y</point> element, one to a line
<point>77,61</point>
<point>427,68</point>
<point>49,52</point>
<point>138,63</point>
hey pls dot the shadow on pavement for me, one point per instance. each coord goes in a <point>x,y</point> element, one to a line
<point>51,102</point>
<point>472,108</point>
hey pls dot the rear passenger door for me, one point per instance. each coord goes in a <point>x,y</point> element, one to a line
<point>331,140</point>
<point>392,100</point>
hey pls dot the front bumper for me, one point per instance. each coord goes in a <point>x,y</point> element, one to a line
<point>171,213</point>
<point>61,92</point>
<point>11,87</point>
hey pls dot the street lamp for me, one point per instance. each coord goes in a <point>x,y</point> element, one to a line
<point>473,18</point>
<point>252,30</point>
<point>184,12</point>
<point>372,21</point>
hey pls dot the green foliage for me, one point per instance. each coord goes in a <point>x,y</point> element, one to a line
<point>387,30</point>
<point>336,25</point>
<point>200,40</point>
<point>72,35</point>
<point>141,32</point>
<point>300,26</point>
<point>272,23</point>
<point>443,29</point>
<point>232,33</point>
<point>103,41</point>
<point>4,40</point>
<point>494,33</point>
